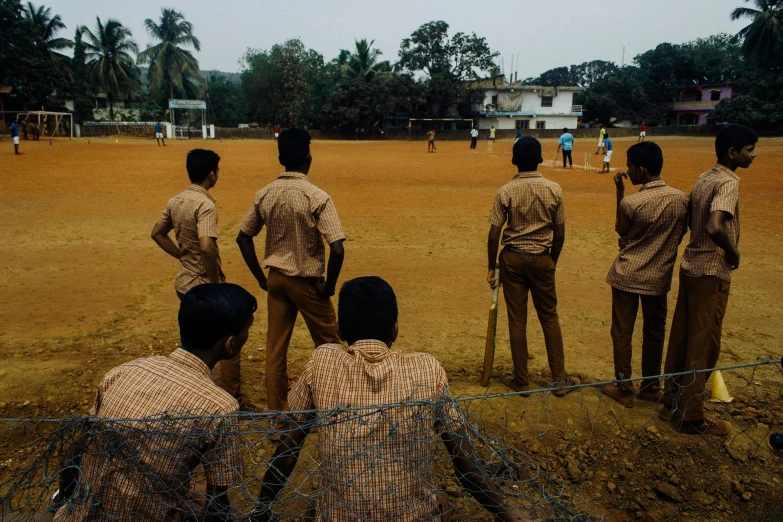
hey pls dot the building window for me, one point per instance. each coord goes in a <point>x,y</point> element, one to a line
<point>714,95</point>
<point>494,99</point>
<point>546,101</point>
<point>522,124</point>
<point>541,125</point>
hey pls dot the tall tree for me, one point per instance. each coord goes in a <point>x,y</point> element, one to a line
<point>172,67</point>
<point>47,27</point>
<point>363,62</point>
<point>762,39</point>
<point>109,53</point>
<point>449,63</point>
<point>227,103</point>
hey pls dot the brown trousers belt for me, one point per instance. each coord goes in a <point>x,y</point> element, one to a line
<point>526,252</point>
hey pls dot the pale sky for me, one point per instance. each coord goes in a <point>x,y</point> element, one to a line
<point>546,34</point>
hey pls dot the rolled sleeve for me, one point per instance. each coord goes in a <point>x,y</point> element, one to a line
<point>499,212</point>
<point>328,223</point>
<point>725,198</point>
<point>207,220</point>
<point>300,398</point>
<point>222,462</point>
<point>253,223</point>
<point>165,219</point>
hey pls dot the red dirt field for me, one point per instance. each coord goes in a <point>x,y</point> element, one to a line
<point>84,288</point>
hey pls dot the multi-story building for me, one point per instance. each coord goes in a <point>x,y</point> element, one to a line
<point>519,106</point>
<point>695,102</point>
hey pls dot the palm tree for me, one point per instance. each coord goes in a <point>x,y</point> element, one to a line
<point>763,37</point>
<point>363,62</point>
<point>109,59</point>
<point>171,66</point>
<point>47,26</point>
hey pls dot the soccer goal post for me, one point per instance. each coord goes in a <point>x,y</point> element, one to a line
<point>419,125</point>
<point>47,124</point>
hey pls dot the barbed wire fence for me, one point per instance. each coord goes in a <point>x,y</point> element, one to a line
<point>581,457</point>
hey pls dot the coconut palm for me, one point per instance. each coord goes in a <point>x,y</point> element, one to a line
<point>47,26</point>
<point>763,37</point>
<point>109,53</point>
<point>172,67</point>
<point>363,62</point>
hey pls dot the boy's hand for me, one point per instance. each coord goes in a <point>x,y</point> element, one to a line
<point>618,179</point>
<point>492,280</point>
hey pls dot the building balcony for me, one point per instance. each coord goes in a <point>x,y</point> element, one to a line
<point>695,105</point>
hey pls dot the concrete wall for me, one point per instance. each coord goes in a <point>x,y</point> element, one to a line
<point>509,123</point>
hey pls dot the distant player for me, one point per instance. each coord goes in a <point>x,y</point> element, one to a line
<point>159,134</point>
<point>431,141</point>
<point>567,144</point>
<point>15,137</point>
<point>601,148</point>
<point>608,154</point>
<point>651,224</point>
<point>643,133</point>
<point>492,133</point>
<point>276,130</point>
<point>519,135</point>
<point>473,137</point>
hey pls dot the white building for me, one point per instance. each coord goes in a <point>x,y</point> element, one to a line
<point>518,106</point>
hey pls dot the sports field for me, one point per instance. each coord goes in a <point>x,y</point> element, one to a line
<point>84,287</point>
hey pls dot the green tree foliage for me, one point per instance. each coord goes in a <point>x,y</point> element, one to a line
<point>363,62</point>
<point>557,76</point>
<point>762,39</point>
<point>173,70</point>
<point>47,26</point>
<point>286,84</point>
<point>227,104</point>
<point>109,53</point>
<point>449,63</point>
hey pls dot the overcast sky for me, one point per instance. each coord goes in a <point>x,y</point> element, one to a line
<point>545,37</point>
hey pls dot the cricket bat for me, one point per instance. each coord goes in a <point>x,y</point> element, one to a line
<point>492,327</point>
<point>557,155</point>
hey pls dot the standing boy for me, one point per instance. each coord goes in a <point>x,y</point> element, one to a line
<point>276,130</point>
<point>15,137</point>
<point>431,141</point>
<point>298,216</point>
<point>532,209</point>
<point>705,278</point>
<point>567,144</point>
<point>159,134</point>
<point>608,156</point>
<point>473,137</point>
<point>193,217</point>
<point>643,133</point>
<point>651,224</point>
<point>601,148</point>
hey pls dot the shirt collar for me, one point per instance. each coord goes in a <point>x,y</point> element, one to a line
<point>653,184</point>
<point>199,188</point>
<point>530,174</point>
<point>185,358</point>
<point>724,170</point>
<point>372,350</point>
<point>294,175</point>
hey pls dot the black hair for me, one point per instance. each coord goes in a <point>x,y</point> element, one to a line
<point>648,155</point>
<point>735,137</point>
<point>293,146</point>
<point>565,129</point>
<point>200,163</point>
<point>606,135</point>
<point>527,154</point>
<point>211,311</point>
<point>367,309</point>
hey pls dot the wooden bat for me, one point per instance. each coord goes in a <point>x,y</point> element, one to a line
<point>492,327</point>
<point>557,155</point>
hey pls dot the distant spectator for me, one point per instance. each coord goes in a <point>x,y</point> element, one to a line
<point>431,141</point>
<point>643,132</point>
<point>15,137</point>
<point>159,134</point>
<point>143,470</point>
<point>375,466</point>
<point>473,137</point>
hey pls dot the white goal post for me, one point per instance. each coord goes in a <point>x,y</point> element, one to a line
<point>50,124</point>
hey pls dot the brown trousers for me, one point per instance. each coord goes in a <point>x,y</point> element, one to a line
<point>694,342</point>
<point>286,297</point>
<point>520,274</point>
<point>625,307</point>
<point>230,371</point>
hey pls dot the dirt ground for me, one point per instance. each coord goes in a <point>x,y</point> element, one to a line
<point>84,288</point>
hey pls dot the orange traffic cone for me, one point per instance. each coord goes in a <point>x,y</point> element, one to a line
<point>719,391</point>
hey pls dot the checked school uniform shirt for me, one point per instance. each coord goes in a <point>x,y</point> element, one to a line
<point>531,205</point>
<point>375,463</point>
<point>654,220</point>
<point>140,470</point>
<point>192,215</point>
<point>716,189</point>
<point>296,214</point>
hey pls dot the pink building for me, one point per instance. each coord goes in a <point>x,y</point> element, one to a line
<point>695,102</point>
